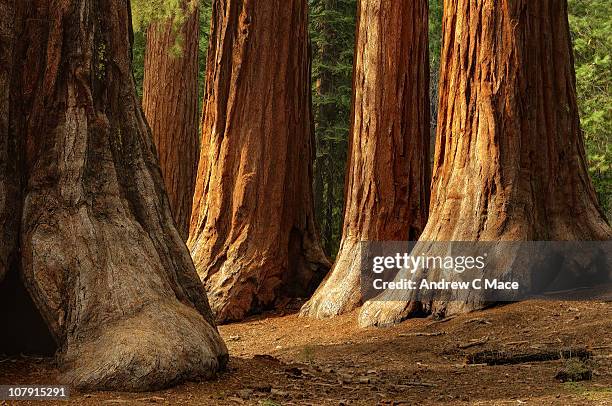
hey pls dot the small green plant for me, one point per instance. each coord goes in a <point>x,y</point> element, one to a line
<point>592,393</point>
<point>575,370</point>
<point>221,395</point>
<point>307,353</point>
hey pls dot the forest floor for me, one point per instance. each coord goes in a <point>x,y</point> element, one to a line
<point>279,359</point>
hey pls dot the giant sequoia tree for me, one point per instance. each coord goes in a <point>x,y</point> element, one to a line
<point>252,233</point>
<point>90,231</point>
<point>510,161</point>
<point>387,188</point>
<point>170,104</point>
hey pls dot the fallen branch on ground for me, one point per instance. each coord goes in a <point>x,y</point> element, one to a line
<point>415,383</point>
<point>506,358</point>
<point>422,334</point>
<point>473,343</point>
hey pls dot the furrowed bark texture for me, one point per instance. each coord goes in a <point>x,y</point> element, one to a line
<point>387,190</point>
<point>170,104</point>
<point>9,176</point>
<point>27,332</point>
<point>510,161</point>
<point>101,257</point>
<point>252,233</point>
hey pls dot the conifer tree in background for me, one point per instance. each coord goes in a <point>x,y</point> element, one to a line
<point>591,28</point>
<point>387,188</point>
<point>435,45</point>
<point>332,32</point>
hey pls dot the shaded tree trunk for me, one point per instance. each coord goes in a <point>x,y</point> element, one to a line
<point>387,188</point>
<point>252,234</point>
<point>9,175</point>
<point>28,332</point>
<point>99,253</point>
<point>510,161</point>
<point>170,104</point>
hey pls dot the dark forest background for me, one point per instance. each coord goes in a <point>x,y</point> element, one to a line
<point>332,32</point>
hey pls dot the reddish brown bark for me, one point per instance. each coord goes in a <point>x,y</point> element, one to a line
<point>9,177</point>
<point>99,253</point>
<point>387,188</point>
<point>252,234</point>
<point>170,104</point>
<point>510,161</point>
<point>27,332</point>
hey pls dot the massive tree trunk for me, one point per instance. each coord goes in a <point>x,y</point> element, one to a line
<point>99,253</point>
<point>170,104</point>
<point>387,188</point>
<point>510,161</point>
<point>252,234</point>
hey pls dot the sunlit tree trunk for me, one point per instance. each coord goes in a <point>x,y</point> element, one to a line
<point>99,252</point>
<point>170,104</point>
<point>510,161</point>
<point>252,234</point>
<point>387,189</point>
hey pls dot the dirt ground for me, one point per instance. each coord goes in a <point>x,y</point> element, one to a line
<point>282,359</point>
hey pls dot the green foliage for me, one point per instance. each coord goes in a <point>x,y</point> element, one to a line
<point>147,12</point>
<point>332,33</point>
<point>575,370</point>
<point>590,392</point>
<point>435,52</point>
<point>591,26</point>
<point>144,12</point>
<point>205,17</point>
<point>307,354</point>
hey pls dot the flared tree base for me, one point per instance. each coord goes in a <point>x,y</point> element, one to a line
<point>341,291</point>
<point>166,343</point>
